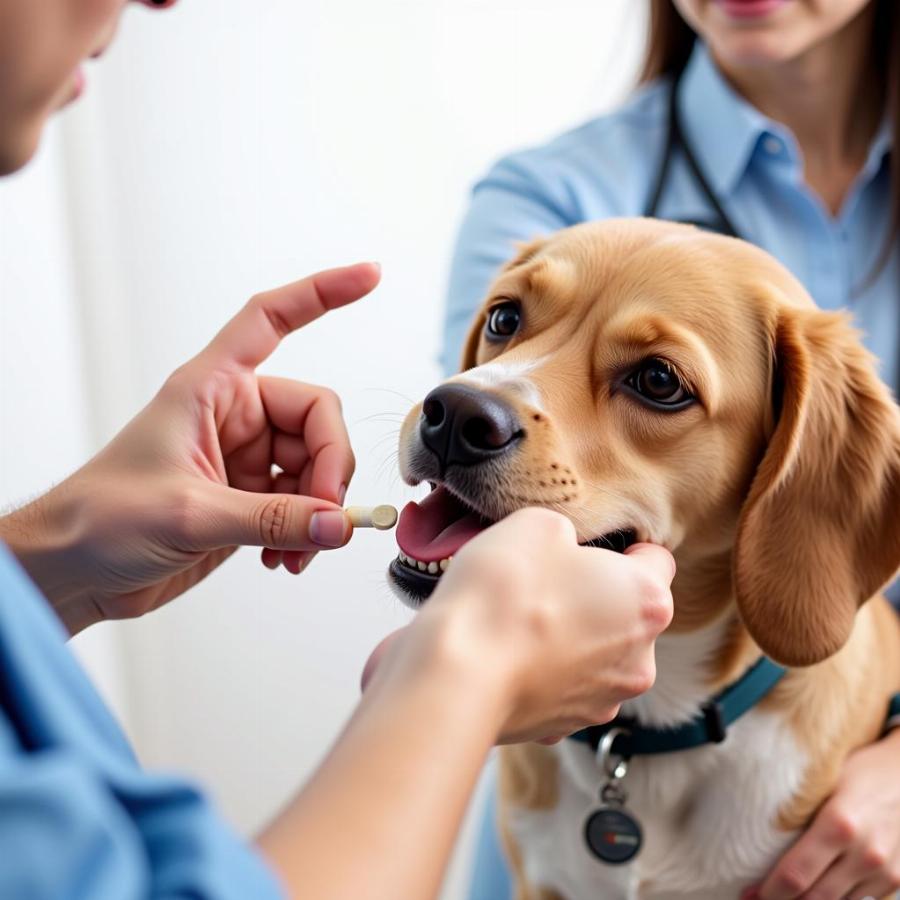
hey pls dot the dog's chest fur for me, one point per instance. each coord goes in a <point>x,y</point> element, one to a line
<point>708,815</point>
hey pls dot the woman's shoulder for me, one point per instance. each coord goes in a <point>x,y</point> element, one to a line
<point>601,167</point>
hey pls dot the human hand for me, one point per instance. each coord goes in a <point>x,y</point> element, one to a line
<point>852,848</point>
<point>191,477</point>
<point>557,634</point>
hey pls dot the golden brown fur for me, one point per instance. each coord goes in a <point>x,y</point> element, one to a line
<point>778,491</point>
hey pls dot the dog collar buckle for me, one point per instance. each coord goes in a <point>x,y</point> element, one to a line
<point>714,720</point>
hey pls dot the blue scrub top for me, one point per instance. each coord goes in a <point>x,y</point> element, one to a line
<point>608,167</point>
<point>79,818</point>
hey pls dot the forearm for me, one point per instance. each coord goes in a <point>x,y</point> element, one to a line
<point>380,817</point>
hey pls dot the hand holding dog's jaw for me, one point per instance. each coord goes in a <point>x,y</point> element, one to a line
<point>520,610</point>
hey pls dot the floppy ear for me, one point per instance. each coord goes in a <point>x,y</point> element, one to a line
<point>470,347</point>
<point>526,250</point>
<point>819,533</point>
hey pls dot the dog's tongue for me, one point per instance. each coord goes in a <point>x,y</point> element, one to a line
<point>437,527</point>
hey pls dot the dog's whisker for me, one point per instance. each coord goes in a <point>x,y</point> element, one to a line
<point>391,461</point>
<point>391,458</point>
<point>383,390</point>
<point>380,417</point>
<point>391,436</point>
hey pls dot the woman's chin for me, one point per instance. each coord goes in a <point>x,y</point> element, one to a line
<point>738,50</point>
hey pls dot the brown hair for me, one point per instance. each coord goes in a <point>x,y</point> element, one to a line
<point>671,40</point>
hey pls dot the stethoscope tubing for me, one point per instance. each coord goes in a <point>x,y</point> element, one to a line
<point>677,140</point>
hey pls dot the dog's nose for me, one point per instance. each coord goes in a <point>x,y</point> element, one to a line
<point>463,425</point>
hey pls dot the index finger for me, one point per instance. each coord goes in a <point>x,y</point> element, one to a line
<point>254,333</point>
<point>802,866</point>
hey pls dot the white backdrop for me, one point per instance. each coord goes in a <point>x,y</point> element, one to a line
<point>223,148</point>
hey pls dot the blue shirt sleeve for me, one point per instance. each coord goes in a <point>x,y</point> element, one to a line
<point>79,818</point>
<point>511,204</point>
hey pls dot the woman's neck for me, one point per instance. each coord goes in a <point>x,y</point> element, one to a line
<point>831,100</point>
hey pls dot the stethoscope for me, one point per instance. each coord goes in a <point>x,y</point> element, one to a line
<point>677,141</point>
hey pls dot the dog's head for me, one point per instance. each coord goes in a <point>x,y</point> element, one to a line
<point>656,383</point>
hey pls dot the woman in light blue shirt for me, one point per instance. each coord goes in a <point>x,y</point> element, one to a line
<point>789,110</point>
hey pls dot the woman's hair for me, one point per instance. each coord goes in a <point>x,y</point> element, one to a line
<point>671,40</point>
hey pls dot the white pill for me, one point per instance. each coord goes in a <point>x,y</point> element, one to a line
<point>380,517</point>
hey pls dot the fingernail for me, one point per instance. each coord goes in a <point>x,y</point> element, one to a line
<point>342,493</point>
<point>327,528</point>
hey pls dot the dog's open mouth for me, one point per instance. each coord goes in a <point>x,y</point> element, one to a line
<point>430,532</point>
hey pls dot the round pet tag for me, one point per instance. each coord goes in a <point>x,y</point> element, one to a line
<point>612,835</point>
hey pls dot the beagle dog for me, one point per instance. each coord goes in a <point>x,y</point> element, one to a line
<point>653,382</point>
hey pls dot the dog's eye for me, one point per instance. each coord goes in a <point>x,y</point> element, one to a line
<point>658,383</point>
<point>503,321</point>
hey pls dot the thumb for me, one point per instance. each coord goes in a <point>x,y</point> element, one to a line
<point>656,558</point>
<point>279,521</point>
<point>377,655</point>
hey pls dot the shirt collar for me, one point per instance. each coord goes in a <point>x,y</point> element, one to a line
<point>721,127</point>
<point>724,130</point>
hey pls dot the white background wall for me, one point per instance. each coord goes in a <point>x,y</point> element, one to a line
<point>223,148</point>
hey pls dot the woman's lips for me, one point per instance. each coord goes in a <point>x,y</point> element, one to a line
<point>750,9</point>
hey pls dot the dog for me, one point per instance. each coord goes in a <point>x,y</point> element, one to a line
<point>654,382</point>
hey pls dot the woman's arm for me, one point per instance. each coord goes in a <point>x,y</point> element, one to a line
<point>852,848</point>
<point>491,657</point>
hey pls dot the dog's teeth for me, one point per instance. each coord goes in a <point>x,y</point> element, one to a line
<point>432,568</point>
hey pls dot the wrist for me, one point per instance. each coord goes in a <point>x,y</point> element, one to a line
<point>444,652</point>
<point>43,536</point>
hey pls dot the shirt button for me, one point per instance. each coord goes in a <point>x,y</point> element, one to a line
<point>772,145</point>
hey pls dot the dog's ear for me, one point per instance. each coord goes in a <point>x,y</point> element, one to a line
<point>470,347</point>
<point>525,251</point>
<point>820,530</point>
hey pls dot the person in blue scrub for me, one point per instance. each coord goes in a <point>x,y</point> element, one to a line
<point>173,495</point>
<point>776,121</point>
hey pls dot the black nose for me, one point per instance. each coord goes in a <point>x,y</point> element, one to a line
<point>463,425</point>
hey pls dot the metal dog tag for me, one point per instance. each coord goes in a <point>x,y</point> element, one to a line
<point>611,833</point>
